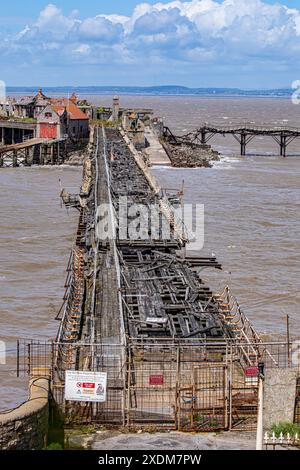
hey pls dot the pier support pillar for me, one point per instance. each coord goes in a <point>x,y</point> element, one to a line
<point>15,158</point>
<point>52,154</point>
<point>41,155</point>
<point>283,145</point>
<point>243,144</point>
<point>203,137</point>
<point>26,157</point>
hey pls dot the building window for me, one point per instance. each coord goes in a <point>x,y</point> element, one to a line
<point>48,115</point>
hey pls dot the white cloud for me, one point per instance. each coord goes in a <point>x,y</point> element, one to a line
<point>82,49</point>
<point>101,29</point>
<point>197,31</point>
<point>51,20</point>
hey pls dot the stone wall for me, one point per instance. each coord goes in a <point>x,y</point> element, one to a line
<point>26,427</point>
<point>279,396</point>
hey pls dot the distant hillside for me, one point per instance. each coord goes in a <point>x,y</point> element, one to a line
<point>154,90</point>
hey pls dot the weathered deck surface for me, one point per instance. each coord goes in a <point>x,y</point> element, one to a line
<point>156,153</point>
<point>22,145</point>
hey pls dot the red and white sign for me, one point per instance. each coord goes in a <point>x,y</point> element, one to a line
<point>156,380</point>
<point>251,371</point>
<point>85,386</point>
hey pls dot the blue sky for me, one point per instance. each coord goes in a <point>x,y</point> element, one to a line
<point>28,9</point>
<point>225,43</point>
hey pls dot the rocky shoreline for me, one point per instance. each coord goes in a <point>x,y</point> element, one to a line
<point>191,156</point>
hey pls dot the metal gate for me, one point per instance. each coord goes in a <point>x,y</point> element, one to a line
<point>184,388</point>
<point>203,403</point>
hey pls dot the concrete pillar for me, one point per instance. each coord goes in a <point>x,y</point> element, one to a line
<point>279,396</point>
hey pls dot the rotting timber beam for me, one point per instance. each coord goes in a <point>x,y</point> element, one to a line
<point>159,294</point>
<point>162,295</point>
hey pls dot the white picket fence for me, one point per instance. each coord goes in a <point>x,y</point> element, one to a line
<point>270,439</point>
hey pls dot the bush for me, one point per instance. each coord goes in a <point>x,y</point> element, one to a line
<point>285,428</point>
<point>54,446</point>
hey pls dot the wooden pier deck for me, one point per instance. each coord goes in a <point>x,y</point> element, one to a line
<point>33,151</point>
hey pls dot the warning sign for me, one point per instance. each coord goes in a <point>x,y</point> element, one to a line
<point>156,380</point>
<point>85,386</point>
<point>251,371</point>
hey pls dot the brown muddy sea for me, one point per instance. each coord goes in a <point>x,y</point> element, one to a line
<point>252,223</point>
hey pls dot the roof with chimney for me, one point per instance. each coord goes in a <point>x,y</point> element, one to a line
<point>74,112</point>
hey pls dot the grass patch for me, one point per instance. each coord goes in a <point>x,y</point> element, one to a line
<point>285,428</point>
<point>105,123</point>
<point>54,446</point>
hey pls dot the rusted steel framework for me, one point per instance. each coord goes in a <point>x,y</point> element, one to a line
<point>244,134</point>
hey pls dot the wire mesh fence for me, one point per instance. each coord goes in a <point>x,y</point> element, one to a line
<point>191,386</point>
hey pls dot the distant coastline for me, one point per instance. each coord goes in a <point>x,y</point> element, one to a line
<point>157,91</point>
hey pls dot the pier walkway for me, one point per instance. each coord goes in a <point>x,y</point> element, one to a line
<point>243,133</point>
<point>33,151</point>
<point>155,151</point>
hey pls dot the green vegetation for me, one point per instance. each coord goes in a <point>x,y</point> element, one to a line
<point>85,429</point>
<point>27,120</point>
<point>105,123</point>
<point>285,428</point>
<point>54,446</point>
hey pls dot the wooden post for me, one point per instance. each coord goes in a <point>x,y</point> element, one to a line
<point>288,338</point>
<point>15,158</point>
<point>41,155</point>
<point>26,156</point>
<point>128,387</point>
<point>18,358</point>
<point>230,380</point>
